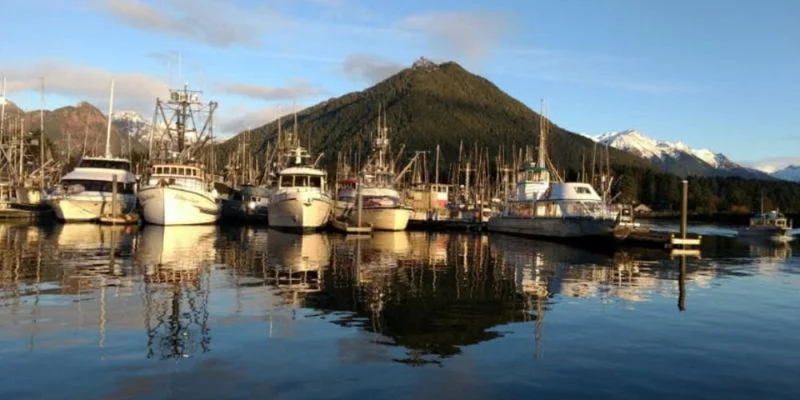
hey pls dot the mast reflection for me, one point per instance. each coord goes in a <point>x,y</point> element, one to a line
<point>175,262</point>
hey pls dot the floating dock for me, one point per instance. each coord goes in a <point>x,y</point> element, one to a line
<point>350,228</point>
<point>447,225</point>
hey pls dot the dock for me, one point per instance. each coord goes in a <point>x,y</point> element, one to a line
<point>442,225</point>
<point>25,212</point>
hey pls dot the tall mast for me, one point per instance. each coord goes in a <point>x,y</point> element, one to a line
<point>41,138</point>
<point>108,125</point>
<point>3,111</point>
<point>542,137</point>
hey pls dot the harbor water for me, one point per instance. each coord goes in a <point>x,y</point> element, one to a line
<point>211,312</point>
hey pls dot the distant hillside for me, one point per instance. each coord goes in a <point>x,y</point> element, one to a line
<point>75,129</point>
<point>427,105</point>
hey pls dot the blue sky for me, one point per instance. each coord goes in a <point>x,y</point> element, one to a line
<point>712,73</point>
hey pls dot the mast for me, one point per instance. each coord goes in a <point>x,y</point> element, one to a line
<point>108,125</point>
<point>542,138</point>
<point>41,138</point>
<point>437,165</point>
<point>3,111</point>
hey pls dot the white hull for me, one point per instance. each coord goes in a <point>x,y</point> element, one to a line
<point>177,206</point>
<point>89,207</point>
<point>381,218</point>
<point>563,228</point>
<point>300,211</point>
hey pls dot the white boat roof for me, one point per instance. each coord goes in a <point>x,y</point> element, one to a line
<point>573,191</point>
<point>100,174</point>
<point>106,159</point>
<point>302,171</point>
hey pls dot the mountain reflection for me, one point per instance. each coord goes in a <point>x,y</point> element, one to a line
<point>416,297</point>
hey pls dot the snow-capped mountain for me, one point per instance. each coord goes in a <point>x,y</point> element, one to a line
<point>131,123</point>
<point>678,157</point>
<point>790,173</point>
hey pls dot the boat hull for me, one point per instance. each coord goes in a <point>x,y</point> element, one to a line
<point>381,218</point>
<point>768,233</point>
<point>85,208</point>
<point>299,211</point>
<point>177,206</point>
<point>557,228</point>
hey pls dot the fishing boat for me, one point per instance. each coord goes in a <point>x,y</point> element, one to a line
<point>176,189</point>
<point>88,192</point>
<point>301,200</point>
<point>771,225</point>
<point>383,206</point>
<point>563,210</point>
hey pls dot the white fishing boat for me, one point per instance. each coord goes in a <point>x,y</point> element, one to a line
<point>87,192</point>
<point>543,208</point>
<point>301,200</point>
<point>566,210</point>
<point>176,189</point>
<point>383,207</point>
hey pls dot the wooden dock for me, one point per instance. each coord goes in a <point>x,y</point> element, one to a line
<point>25,212</point>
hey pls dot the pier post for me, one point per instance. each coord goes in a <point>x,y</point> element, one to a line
<point>114,198</point>
<point>359,199</point>
<point>684,208</point>
<point>682,285</point>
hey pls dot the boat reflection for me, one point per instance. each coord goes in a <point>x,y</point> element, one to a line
<point>176,262</point>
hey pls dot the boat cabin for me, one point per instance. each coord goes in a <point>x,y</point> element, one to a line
<point>303,178</point>
<point>183,175</point>
<point>533,181</point>
<point>96,174</point>
<point>562,200</point>
<point>771,219</point>
<point>105,163</point>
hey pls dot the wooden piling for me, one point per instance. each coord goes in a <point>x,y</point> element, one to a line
<point>684,208</point>
<point>114,191</point>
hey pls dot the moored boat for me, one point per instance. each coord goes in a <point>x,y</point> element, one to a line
<point>176,191</point>
<point>301,200</point>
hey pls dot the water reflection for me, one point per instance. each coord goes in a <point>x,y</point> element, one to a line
<point>408,298</point>
<point>175,261</point>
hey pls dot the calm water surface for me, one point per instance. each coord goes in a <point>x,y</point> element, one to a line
<point>91,312</point>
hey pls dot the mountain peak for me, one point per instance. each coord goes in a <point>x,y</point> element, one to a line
<point>677,157</point>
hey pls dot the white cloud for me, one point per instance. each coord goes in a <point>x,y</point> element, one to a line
<point>295,89</point>
<point>772,164</point>
<point>470,34</point>
<point>132,90</point>
<point>369,68</point>
<point>216,22</point>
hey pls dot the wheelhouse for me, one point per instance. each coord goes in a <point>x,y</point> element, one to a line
<point>302,178</point>
<point>183,175</point>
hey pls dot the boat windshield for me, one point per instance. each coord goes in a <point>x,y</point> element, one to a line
<point>105,164</point>
<point>86,185</point>
<point>292,180</point>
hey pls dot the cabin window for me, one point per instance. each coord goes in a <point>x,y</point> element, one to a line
<point>582,190</point>
<point>286,180</point>
<point>316,181</point>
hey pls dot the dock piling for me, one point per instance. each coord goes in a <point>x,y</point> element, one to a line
<point>114,191</point>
